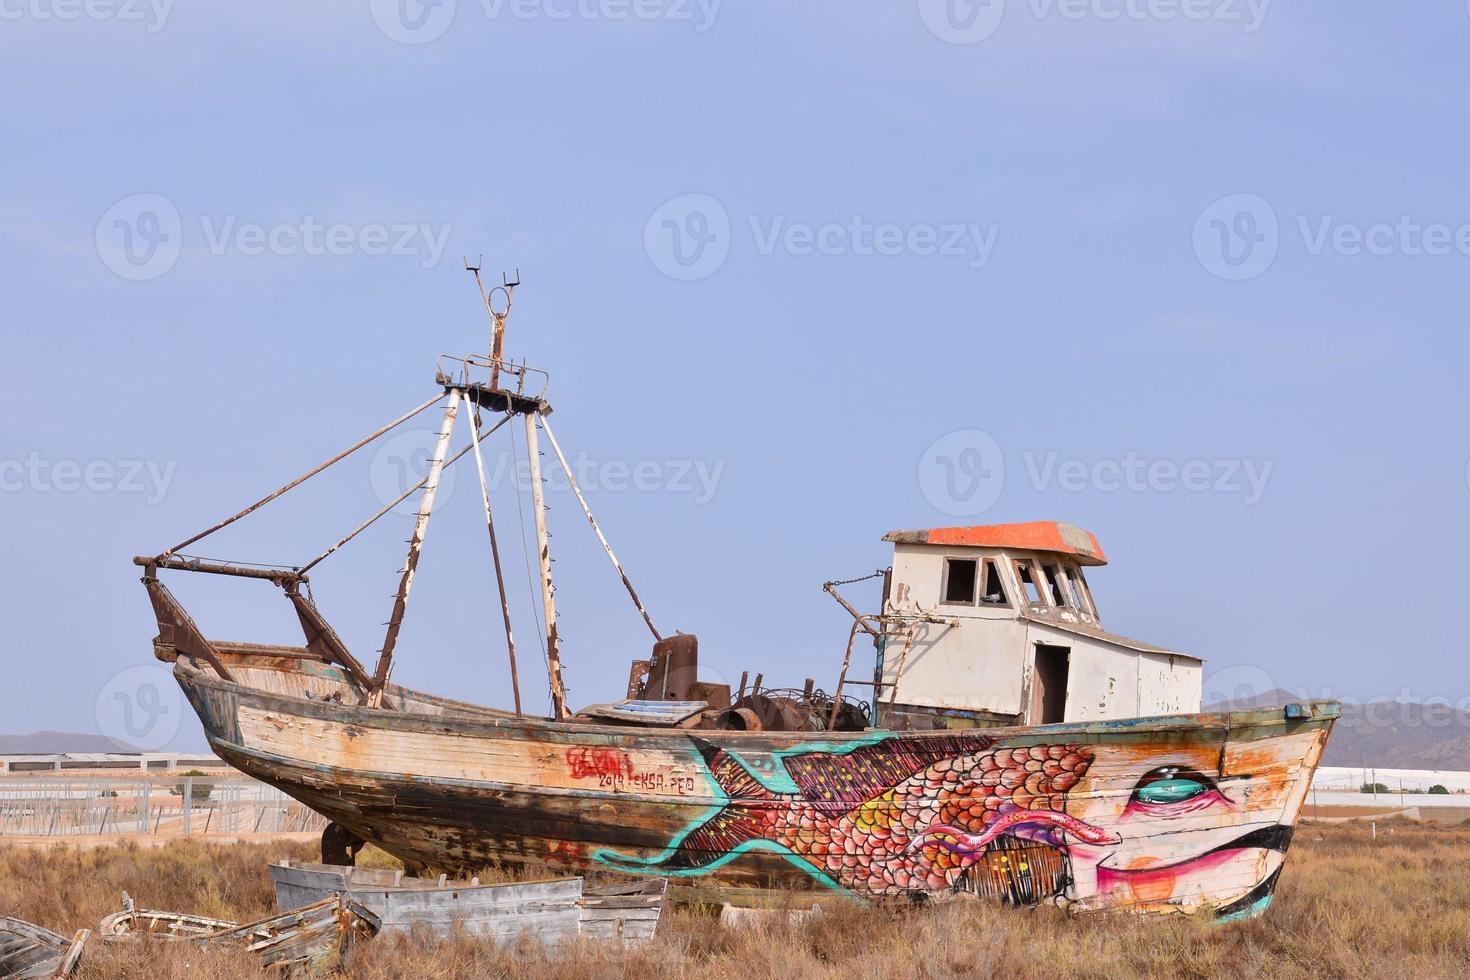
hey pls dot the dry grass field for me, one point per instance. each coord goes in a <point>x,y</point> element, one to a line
<point>1348,906</point>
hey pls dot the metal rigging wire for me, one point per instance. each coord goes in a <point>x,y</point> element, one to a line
<point>526,557</point>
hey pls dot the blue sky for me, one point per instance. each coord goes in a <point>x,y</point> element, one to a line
<point>814,271</point>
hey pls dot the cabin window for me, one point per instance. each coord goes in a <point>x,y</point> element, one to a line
<point>1025,572</point>
<point>1073,576</point>
<point>993,590</point>
<point>1060,580</point>
<point>960,575</point>
<point>1054,586</point>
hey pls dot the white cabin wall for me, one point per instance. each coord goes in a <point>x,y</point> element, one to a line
<point>1169,685</point>
<point>1102,678</point>
<point>958,668</point>
<point>986,662</point>
<point>979,665</point>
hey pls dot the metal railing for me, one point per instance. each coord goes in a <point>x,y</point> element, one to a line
<point>160,805</point>
<point>473,370</point>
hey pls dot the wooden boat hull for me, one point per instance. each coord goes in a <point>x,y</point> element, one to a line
<point>1171,814</point>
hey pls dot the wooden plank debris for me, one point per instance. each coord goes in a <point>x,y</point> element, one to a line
<point>646,712</point>
<point>551,911</point>
<point>30,952</point>
<point>318,934</point>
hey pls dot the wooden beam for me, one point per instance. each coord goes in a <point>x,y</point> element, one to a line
<point>415,548</point>
<point>543,549</point>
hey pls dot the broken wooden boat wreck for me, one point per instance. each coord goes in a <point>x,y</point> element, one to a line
<point>316,935</point>
<point>550,911</point>
<point>30,952</point>
<point>1006,744</point>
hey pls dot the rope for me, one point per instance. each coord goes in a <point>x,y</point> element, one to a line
<point>243,564</point>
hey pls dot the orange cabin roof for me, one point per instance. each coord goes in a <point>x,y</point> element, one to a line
<point>1049,536</point>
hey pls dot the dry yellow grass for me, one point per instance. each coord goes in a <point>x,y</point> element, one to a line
<point>1348,906</point>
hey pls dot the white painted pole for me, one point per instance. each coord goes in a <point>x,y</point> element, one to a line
<point>510,643</point>
<point>543,548</point>
<point>415,548</point>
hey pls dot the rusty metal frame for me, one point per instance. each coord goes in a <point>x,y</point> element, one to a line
<point>176,628</point>
<point>831,589</point>
<point>842,675</point>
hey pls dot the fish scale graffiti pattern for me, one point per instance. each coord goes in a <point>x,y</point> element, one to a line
<point>898,816</point>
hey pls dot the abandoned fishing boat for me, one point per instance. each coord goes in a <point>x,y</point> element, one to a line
<point>29,952</point>
<point>551,911</point>
<point>1006,746</point>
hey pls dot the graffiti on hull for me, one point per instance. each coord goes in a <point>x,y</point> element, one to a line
<point>903,815</point>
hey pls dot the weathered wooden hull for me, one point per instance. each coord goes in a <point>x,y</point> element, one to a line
<point>1189,813</point>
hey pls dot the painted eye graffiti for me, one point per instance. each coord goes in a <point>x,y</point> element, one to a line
<point>1175,789</point>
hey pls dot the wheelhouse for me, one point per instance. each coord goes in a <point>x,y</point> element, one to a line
<point>997,625</point>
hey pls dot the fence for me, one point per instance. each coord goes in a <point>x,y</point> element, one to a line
<point>1407,780</point>
<point>157,805</point>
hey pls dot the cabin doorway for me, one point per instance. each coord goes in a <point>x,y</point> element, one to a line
<point>1049,685</point>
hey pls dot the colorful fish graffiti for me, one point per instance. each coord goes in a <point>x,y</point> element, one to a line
<point>920,816</point>
<point>889,817</point>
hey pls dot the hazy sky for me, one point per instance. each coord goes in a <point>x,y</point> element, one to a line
<point>1189,273</point>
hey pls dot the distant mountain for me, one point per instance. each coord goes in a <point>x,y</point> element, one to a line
<point>49,743</point>
<point>1388,734</point>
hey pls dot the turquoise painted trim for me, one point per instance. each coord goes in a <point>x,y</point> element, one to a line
<point>779,783</point>
<point>778,780</point>
<point>882,648</point>
<point>632,865</point>
<point>1255,909</point>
